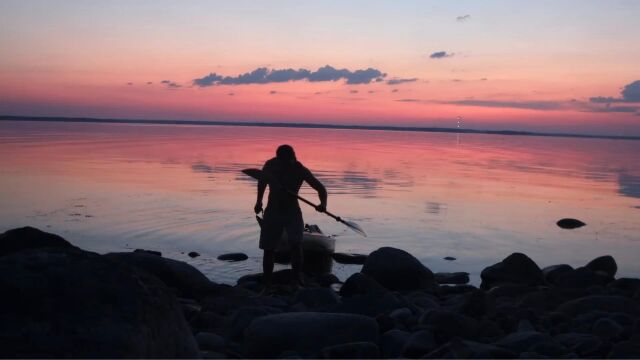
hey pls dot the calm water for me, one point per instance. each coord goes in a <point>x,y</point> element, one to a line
<point>179,188</point>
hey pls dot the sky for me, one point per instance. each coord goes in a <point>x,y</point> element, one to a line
<point>552,66</point>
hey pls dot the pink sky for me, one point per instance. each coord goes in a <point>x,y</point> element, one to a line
<point>527,67</point>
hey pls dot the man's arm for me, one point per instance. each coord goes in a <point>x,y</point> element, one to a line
<point>317,186</point>
<point>262,186</point>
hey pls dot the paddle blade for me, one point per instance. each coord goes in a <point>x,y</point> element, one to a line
<point>355,227</point>
<point>255,173</point>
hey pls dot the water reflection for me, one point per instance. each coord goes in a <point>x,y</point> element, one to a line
<point>478,198</point>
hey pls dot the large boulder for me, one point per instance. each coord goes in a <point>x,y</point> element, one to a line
<point>606,264</point>
<point>396,269</point>
<point>516,268</point>
<point>360,284</point>
<point>62,302</point>
<point>551,273</point>
<point>306,333</point>
<point>187,280</point>
<point>29,238</point>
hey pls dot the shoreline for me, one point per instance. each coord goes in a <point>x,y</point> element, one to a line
<point>141,304</point>
<point>298,125</point>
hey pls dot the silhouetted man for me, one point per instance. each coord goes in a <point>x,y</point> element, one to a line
<point>283,211</point>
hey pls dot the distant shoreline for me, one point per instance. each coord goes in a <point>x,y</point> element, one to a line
<point>310,126</point>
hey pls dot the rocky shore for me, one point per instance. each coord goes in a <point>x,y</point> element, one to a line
<point>61,301</point>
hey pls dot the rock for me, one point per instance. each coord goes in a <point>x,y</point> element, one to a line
<point>370,304</point>
<point>306,333</point>
<point>316,298</point>
<point>187,280</point>
<point>602,303</point>
<point>233,257</point>
<point>233,298</point>
<point>193,254</point>
<point>393,342</point>
<point>151,252</point>
<point>582,344</point>
<point>582,278</point>
<point>458,278</point>
<point>625,350</point>
<point>522,340</point>
<point>210,341</point>
<point>551,273</point>
<point>445,290</point>
<point>65,302</point>
<point>449,258</point>
<point>606,328</point>
<point>423,301</point>
<point>241,318</point>
<point>466,349</point>
<point>360,284</point>
<point>550,349</point>
<point>29,238</point>
<point>402,315</point>
<point>343,258</point>
<point>606,264</point>
<point>207,320</point>
<point>212,355</point>
<point>448,324</point>
<point>568,223</point>
<point>280,277</point>
<point>627,286</point>
<point>516,268</point>
<point>419,344</point>
<point>396,269</point>
<point>355,350</point>
<point>510,290</point>
<point>326,280</point>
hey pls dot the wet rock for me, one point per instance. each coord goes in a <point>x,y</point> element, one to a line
<point>193,254</point>
<point>449,258</point>
<point>361,284</point>
<point>551,273</point>
<point>419,343</point>
<point>602,303</point>
<point>150,252</point>
<point>396,269</point>
<point>186,279</point>
<point>306,333</point>
<point>606,264</point>
<point>625,350</point>
<point>210,341</point>
<point>516,268</point>
<point>232,257</point>
<point>280,277</point>
<point>522,340</point>
<point>448,324</point>
<point>343,258</point>
<point>355,350</point>
<point>606,328</point>
<point>393,342</point>
<point>457,278</point>
<point>466,349</point>
<point>316,298</point>
<point>569,223</point>
<point>29,238</point>
<point>65,302</point>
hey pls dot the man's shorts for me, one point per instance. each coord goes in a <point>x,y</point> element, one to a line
<point>273,225</point>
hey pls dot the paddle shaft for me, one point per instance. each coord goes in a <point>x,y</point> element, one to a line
<point>337,218</point>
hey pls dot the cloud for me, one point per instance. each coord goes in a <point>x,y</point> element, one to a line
<point>409,100</point>
<point>273,92</point>
<point>170,84</point>
<point>265,76</point>
<point>531,105</point>
<point>354,91</point>
<point>440,55</point>
<point>629,94</point>
<point>463,18</point>
<point>149,82</point>
<point>396,81</point>
<point>129,83</point>
<point>394,90</point>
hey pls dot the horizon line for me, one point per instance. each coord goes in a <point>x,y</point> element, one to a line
<point>302,125</point>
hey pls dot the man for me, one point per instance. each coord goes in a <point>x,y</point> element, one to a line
<point>283,212</point>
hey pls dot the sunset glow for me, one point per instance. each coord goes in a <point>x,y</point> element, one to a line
<point>561,66</point>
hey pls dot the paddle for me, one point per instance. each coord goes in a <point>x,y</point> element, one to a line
<point>262,176</point>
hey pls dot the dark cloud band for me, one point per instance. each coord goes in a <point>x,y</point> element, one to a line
<point>266,76</point>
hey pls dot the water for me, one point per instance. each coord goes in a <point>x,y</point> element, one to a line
<point>176,189</point>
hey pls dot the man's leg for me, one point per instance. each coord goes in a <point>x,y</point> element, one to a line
<point>295,233</point>
<point>296,264</point>
<point>268,260</point>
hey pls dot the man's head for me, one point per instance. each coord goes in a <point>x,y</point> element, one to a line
<point>286,154</point>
